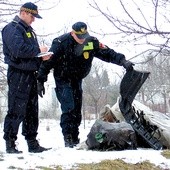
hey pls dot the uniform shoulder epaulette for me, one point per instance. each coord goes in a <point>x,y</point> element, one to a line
<point>63,37</point>
<point>18,25</point>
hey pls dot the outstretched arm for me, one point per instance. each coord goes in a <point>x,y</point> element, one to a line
<point>107,54</point>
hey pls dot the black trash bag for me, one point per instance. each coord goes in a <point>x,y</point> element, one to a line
<point>105,136</point>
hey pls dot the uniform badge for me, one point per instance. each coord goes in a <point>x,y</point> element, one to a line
<point>86,54</point>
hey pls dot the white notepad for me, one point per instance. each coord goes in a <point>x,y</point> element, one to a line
<point>44,54</point>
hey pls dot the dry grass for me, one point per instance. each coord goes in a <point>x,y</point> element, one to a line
<point>166,154</point>
<point>117,164</point>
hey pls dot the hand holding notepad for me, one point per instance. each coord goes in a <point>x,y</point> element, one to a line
<point>43,54</point>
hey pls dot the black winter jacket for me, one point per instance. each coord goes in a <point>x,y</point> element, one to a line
<point>69,64</point>
<point>20,46</point>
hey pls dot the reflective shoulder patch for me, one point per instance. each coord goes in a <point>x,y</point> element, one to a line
<point>89,46</point>
<point>28,34</point>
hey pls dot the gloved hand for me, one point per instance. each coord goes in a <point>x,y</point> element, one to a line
<point>128,65</point>
<point>40,88</point>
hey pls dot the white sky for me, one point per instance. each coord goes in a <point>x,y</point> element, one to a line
<point>63,15</point>
<point>66,13</point>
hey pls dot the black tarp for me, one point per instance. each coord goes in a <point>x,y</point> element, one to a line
<point>129,87</point>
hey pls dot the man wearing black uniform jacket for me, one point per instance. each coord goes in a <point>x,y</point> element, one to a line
<point>72,61</point>
<point>20,48</point>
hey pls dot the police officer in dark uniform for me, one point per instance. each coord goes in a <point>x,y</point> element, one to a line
<point>20,47</point>
<point>71,62</point>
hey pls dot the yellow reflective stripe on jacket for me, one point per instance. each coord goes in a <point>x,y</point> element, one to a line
<point>89,46</point>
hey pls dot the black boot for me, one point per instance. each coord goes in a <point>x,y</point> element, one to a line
<point>34,147</point>
<point>11,147</point>
<point>68,141</point>
<point>76,140</point>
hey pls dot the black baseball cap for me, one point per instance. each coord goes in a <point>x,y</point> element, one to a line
<point>31,8</point>
<point>80,29</point>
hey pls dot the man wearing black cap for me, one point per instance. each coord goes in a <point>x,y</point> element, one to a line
<point>72,60</point>
<point>20,47</point>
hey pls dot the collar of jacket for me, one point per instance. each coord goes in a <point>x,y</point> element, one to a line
<point>20,21</point>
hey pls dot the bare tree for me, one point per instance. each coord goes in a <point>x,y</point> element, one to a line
<point>98,90</point>
<point>91,86</point>
<point>145,24</point>
<point>141,23</point>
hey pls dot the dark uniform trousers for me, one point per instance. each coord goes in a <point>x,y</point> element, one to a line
<point>69,94</point>
<point>22,104</point>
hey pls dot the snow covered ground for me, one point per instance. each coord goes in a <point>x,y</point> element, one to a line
<point>66,157</point>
